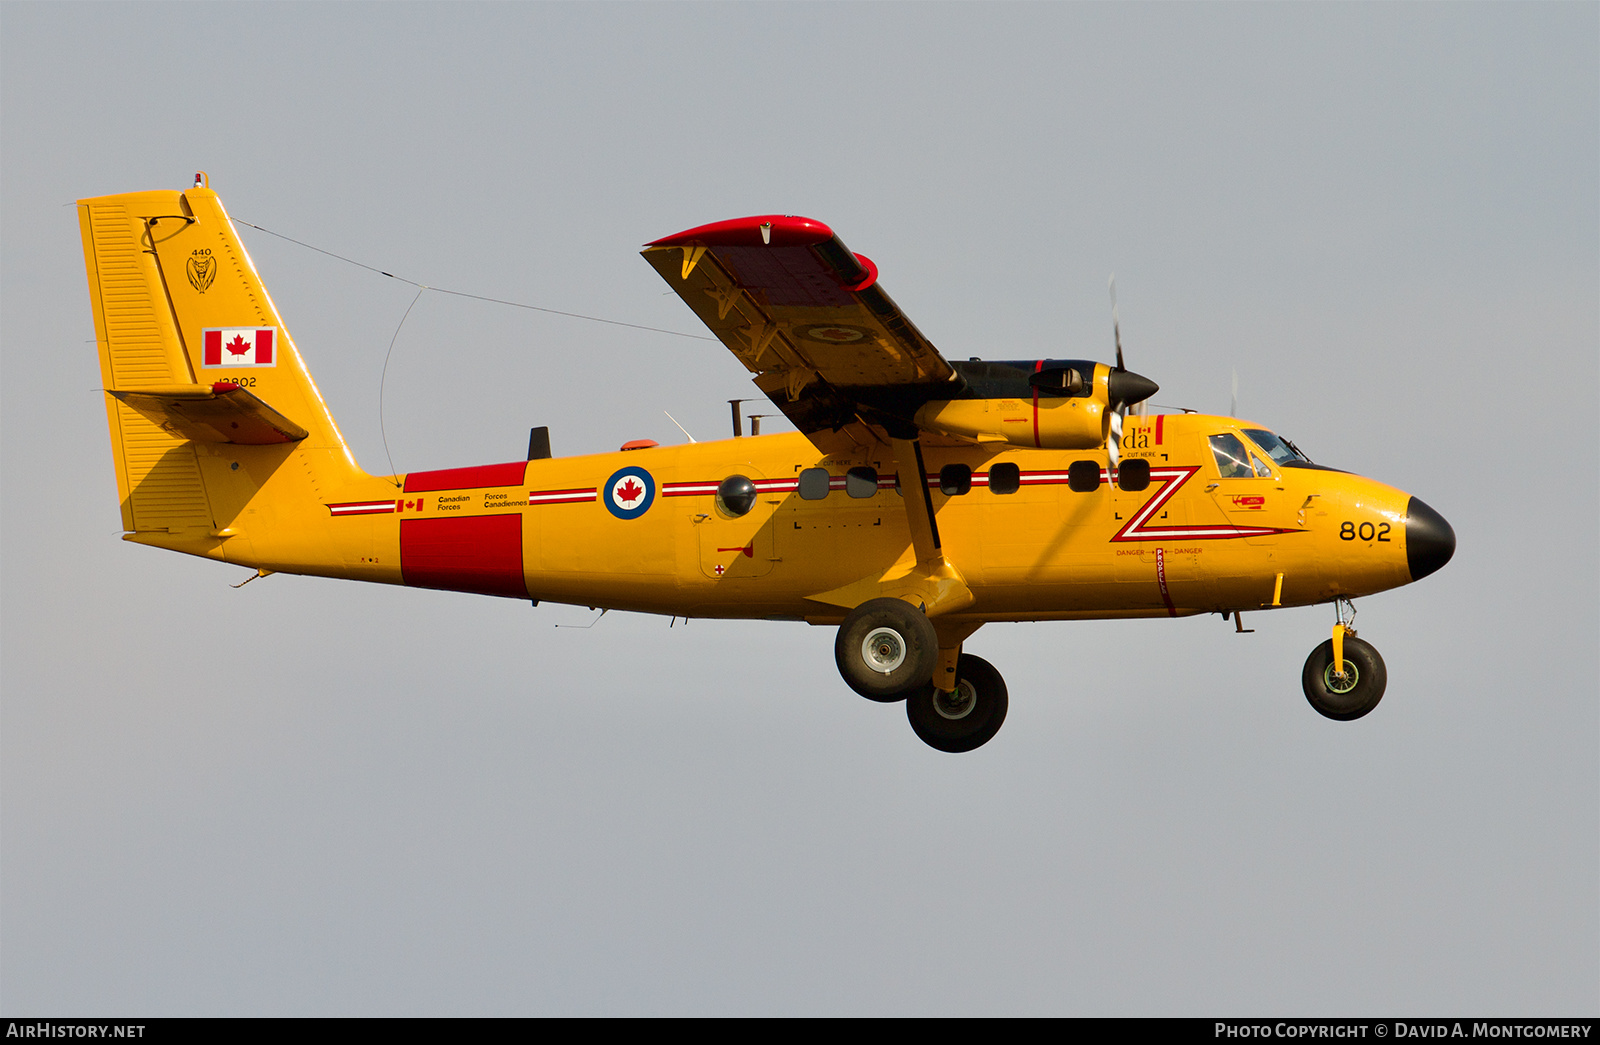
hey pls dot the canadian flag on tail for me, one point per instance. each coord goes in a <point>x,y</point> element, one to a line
<point>240,346</point>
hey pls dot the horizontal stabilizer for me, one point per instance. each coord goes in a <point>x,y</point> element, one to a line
<point>218,413</point>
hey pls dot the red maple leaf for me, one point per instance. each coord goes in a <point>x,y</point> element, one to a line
<point>630,491</point>
<point>239,346</point>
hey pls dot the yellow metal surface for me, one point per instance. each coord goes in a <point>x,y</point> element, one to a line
<point>166,267</point>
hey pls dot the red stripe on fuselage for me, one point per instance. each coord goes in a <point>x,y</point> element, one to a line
<point>1161,579</point>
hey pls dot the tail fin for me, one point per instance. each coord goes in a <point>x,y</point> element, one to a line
<point>201,373</point>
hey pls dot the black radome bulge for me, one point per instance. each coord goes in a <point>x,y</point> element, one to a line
<point>1429,540</point>
<point>736,494</point>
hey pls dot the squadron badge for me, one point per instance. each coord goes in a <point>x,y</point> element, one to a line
<point>202,270</point>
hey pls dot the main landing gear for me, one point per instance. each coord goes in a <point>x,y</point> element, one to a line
<point>887,650</point>
<point>1344,678</point>
<point>964,718</point>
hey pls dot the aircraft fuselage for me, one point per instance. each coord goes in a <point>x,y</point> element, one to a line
<point>646,530</point>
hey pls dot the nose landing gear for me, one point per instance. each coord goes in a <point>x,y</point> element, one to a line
<point>1344,678</point>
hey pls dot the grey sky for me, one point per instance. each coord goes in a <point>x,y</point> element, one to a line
<point>317,797</point>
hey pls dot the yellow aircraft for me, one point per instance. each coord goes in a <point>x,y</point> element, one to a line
<point>919,499</point>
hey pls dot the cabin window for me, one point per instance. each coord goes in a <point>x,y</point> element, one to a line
<point>861,482</point>
<point>1233,461</point>
<point>814,483</point>
<point>1133,475</point>
<point>1004,478</point>
<point>1083,476</point>
<point>955,480</point>
<point>1262,471</point>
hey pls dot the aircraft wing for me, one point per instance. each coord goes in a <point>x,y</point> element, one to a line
<point>807,317</point>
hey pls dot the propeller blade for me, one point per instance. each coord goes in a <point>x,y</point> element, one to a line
<point>1114,446</point>
<point>1116,325</point>
<point>1233,401</point>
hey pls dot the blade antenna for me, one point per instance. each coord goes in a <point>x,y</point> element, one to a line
<point>682,429</point>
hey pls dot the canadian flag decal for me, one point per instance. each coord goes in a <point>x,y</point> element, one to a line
<point>239,346</point>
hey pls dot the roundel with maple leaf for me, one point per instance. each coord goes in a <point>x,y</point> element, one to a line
<point>628,492</point>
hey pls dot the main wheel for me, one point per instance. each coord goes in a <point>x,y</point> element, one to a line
<point>965,718</point>
<point>1352,696</point>
<point>886,648</point>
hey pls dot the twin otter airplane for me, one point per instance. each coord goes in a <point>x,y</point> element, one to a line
<point>919,499</point>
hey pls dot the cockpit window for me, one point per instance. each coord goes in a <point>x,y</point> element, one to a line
<point>1233,460</point>
<point>1280,450</point>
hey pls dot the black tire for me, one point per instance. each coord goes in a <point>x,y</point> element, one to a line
<point>1345,700</point>
<point>886,648</point>
<point>968,721</point>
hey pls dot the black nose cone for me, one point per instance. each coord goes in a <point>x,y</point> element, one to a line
<point>1429,540</point>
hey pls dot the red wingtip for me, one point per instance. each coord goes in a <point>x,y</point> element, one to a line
<point>772,230</point>
<point>870,278</point>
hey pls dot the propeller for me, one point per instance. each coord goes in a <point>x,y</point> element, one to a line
<point>1116,324</point>
<point>1124,388</point>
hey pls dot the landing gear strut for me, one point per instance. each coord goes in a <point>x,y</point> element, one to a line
<point>1344,678</point>
<point>964,718</point>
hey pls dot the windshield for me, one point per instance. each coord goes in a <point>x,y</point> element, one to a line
<point>1280,450</point>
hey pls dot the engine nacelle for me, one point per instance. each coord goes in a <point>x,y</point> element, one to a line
<point>1053,423</point>
<point>1051,404</point>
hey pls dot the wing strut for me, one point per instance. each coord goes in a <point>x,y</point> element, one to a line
<point>913,475</point>
<point>925,578</point>
<point>934,581</point>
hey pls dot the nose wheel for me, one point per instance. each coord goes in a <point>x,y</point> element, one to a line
<point>1344,678</point>
<point>1344,695</point>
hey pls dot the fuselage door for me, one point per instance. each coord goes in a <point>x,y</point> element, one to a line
<point>1247,490</point>
<point>735,529</point>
